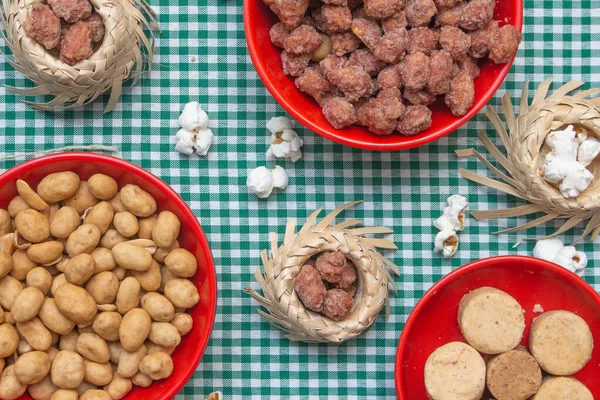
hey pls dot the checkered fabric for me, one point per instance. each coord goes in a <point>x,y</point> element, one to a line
<point>202,55</point>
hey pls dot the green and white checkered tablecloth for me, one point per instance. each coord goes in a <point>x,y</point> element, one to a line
<point>201,55</point>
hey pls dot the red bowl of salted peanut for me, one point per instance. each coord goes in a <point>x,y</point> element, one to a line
<point>107,283</point>
<point>382,74</point>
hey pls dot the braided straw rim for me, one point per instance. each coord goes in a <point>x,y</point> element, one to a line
<point>121,55</point>
<point>523,143</point>
<point>285,311</point>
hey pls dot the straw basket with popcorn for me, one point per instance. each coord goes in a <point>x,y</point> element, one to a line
<point>123,52</point>
<point>551,158</point>
<point>284,308</point>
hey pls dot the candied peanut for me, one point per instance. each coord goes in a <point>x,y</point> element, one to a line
<point>392,46</point>
<point>419,12</point>
<point>332,63</point>
<point>422,97</point>
<point>310,288</point>
<point>71,10</point>
<point>504,45</point>
<point>77,44</point>
<point>461,95</point>
<point>330,266</point>
<point>382,117</point>
<point>476,14</point>
<point>344,43</point>
<point>278,33</point>
<point>367,61</point>
<point>96,29</point>
<point>367,30</point>
<point>469,64</point>
<point>446,3</point>
<point>339,112</point>
<point>304,39</point>
<point>480,39</point>
<point>450,16</point>
<point>290,12</point>
<point>353,81</point>
<point>415,119</point>
<point>43,26</point>
<point>455,42</point>
<point>389,77</point>
<point>440,65</point>
<point>361,107</point>
<point>313,83</point>
<point>422,39</point>
<point>415,71</point>
<point>337,304</point>
<point>336,18</point>
<point>396,21</point>
<point>294,65</point>
<point>381,9</point>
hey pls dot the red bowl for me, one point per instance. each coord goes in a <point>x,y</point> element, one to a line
<point>188,354</point>
<point>433,321</point>
<point>258,19</point>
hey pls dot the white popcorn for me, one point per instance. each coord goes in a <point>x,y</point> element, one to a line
<point>455,211</point>
<point>193,142</point>
<point>561,165</point>
<point>193,117</point>
<point>262,181</point>
<point>285,142</point>
<point>588,151</point>
<point>566,256</point>
<point>447,243</point>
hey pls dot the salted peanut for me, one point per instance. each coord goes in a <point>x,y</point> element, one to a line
<point>130,256</point>
<point>84,387</point>
<point>67,370</point>
<point>82,199</point>
<point>32,225</point>
<point>93,347</point>
<point>164,334</point>
<point>106,325</point>
<point>27,304</point>
<point>64,222</point>
<point>43,390</point>
<point>156,348</point>
<point>9,289</point>
<point>85,328</point>
<point>158,307</point>
<point>118,387</point>
<point>24,347</point>
<point>65,394</point>
<point>80,269</point>
<point>166,229</point>
<point>9,340</point>
<point>53,319</point>
<point>75,303</point>
<point>562,387</point>
<point>52,352</point>
<point>161,253</point>
<point>455,371</point>
<point>83,240</point>
<point>142,380</point>
<point>183,322</point>
<point>138,201</point>
<point>102,186</point>
<point>129,362</point>
<point>30,196</point>
<point>100,215</point>
<point>181,262</point>
<point>32,367</point>
<point>111,238</point>
<point>16,205</point>
<point>45,253</point>
<point>1,316</point>
<point>149,280</point>
<point>126,223</point>
<point>40,279</point>
<point>115,351</point>
<point>58,280</point>
<point>128,295</point>
<point>97,374</point>
<point>116,203</point>
<point>134,329</point>
<point>103,287</point>
<point>21,265</point>
<point>514,375</point>
<point>10,386</point>
<point>34,331</point>
<point>69,341</point>
<point>120,273</point>
<point>146,225</point>
<point>50,212</point>
<point>166,276</point>
<point>8,318</point>
<point>491,320</point>
<point>58,186</point>
<point>103,259</point>
<point>561,342</point>
<point>95,394</point>
<point>146,244</point>
<point>182,293</point>
<point>5,222</point>
<point>107,307</point>
<point>5,264</point>
<point>157,366</point>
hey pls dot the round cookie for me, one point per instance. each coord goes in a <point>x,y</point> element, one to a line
<point>561,342</point>
<point>514,375</point>
<point>491,320</point>
<point>455,371</point>
<point>562,387</point>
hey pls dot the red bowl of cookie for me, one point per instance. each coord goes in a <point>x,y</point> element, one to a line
<point>383,74</point>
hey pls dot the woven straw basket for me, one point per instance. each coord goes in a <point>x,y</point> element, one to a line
<point>525,152</point>
<point>119,56</point>
<point>285,311</point>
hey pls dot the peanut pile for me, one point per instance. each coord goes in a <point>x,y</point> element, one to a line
<point>93,289</point>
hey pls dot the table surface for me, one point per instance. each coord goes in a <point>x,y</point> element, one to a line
<point>201,55</point>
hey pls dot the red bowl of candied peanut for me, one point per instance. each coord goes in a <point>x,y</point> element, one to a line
<point>383,74</point>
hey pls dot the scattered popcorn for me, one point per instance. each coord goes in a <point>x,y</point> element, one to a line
<point>214,396</point>
<point>451,221</point>
<point>194,137</point>
<point>538,309</point>
<point>562,166</point>
<point>285,142</point>
<point>262,181</point>
<point>554,250</point>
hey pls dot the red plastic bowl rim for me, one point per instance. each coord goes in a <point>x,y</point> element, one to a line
<point>17,171</point>
<point>442,283</point>
<point>254,50</point>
